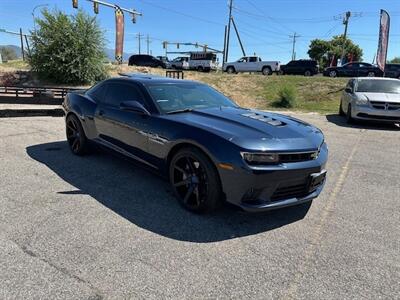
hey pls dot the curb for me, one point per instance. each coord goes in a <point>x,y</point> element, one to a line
<point>11,113</point>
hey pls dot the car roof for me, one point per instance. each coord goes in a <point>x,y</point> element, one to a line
<point>375,78</point>
<point>149,78</point>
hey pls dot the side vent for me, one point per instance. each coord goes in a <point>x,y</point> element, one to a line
<point>264,119</point>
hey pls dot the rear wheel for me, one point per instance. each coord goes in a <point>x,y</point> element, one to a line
<point>76,137</point>
<point>230,70</point>
<point>195,181</point>
<point>371,74</point>
<point>266,71</point>
<point>307,73</point>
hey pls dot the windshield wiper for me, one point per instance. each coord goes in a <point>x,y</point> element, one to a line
<point>179,111</point>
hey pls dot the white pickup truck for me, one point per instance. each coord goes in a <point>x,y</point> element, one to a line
<point>252,64</point>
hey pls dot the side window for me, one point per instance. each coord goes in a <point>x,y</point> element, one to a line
<point>120,92</point>
<point>97,92</point>
<point>253,59</point>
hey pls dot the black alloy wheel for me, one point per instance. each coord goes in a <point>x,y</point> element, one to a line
<point>76,136</point>
<point>195,181</point>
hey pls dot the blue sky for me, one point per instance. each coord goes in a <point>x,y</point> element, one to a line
<point>265,25</point>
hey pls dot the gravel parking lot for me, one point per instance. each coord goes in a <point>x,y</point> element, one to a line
<point>98,227</point>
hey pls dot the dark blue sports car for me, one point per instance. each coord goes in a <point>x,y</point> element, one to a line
<point>210,148</point>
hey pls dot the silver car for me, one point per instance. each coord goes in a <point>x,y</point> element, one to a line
<point>376,99</point>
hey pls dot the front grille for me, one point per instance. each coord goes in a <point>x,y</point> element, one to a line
<point>294,191</point>
<point>385,105</point>
<point>297,157</point>
<point>388,118</point>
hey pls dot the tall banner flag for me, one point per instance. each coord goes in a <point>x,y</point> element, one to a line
<point>384,27</point>
<point>119,37</point>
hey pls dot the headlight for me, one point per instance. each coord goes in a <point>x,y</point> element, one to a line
<point>361,101</point>
<point>260,158</point>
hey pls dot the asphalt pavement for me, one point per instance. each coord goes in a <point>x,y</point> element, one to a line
<point>98,226</point>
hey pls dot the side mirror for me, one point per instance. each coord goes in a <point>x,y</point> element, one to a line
<point>348,90</point>
<point>134,106</point>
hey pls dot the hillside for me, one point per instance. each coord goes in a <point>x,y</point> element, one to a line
<point>313,94</point>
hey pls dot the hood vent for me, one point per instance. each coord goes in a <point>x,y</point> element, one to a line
<point>264,119</point>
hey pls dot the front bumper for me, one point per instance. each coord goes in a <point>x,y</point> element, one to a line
<point>273,187</point>
<point>366,112</point>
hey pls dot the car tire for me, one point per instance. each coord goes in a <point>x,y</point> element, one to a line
<point>230,70</point>
<point>307,73</point>
<point>195,181</point>
<point>341,112</point>
<point>349,117</point>
<point>76,137</point>
<point>266,71</point>
<point>371,74</point>
<point>333,74</point>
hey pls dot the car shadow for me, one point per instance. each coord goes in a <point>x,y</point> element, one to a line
<point>146,199</point>
<point>341,121</point>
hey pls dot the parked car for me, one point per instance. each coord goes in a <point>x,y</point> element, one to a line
<point>392,71</point>
<point>354,69</point>
<point>145,60</point>
<point>180,63</point>
<point>165,60</point>
<point>376,99</point>
<point>252,64</point>
<point>304,67</point>
<point>210,148</point>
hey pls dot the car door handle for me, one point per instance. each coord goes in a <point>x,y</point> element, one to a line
<point>101,112</point>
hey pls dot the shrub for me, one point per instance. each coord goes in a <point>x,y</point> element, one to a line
<point>68,49</point>
<point>287,97</point>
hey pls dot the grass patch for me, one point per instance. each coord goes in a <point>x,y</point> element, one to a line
<point>18,64</point>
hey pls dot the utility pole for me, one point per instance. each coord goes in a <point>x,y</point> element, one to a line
<point>148,44</point>
<point>294,36</point>
<point>224,50</point>
<point>22,44</point>
<point>238,36</point>
<point>229,30</point>
<point>346,24</point>
<point>139,36</point>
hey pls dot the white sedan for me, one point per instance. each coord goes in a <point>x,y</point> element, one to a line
<point>376,99</point>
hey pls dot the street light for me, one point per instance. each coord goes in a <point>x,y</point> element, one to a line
<point>33,13</point>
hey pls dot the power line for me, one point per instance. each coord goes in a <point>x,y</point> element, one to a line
<point>181,13</point>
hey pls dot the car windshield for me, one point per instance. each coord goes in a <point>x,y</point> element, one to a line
<point>378,86</point>
<point>175,97</point>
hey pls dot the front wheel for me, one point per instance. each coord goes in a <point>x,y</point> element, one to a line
<point>266,71</point>
<point>333,74</point>
<point>195,181</point>
<point>349,117</point>
<point>371,74</point>
<point>341,112</point>
<point>76,137</point>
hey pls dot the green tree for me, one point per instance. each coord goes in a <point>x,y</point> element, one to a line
<point>68,49</point>
<point>323,51</point>
<point>8,53</point>
<point>395,60</point>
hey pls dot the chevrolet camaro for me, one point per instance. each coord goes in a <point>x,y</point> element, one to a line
<point>209,148</point>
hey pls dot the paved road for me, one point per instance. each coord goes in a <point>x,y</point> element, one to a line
<point>98,227</point>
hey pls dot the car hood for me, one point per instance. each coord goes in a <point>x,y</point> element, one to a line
<point>254,130</point>
<point>380,97</point>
